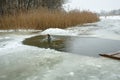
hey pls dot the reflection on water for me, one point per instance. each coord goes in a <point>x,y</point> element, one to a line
<point>89,46</point>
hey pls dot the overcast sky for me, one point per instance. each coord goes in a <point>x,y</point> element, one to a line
<point>93,5</point>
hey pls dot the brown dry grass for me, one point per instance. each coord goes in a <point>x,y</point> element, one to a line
<point>43,19</point>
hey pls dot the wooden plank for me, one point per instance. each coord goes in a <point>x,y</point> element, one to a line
<point>112,56</point>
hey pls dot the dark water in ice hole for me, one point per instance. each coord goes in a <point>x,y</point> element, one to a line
<point>88,46</point>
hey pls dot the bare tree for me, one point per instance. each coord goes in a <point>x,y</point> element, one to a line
<point>52,4</point>
<point>11,6</point>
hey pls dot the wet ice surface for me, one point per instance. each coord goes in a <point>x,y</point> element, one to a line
<point>107,28</point>
<point>26,64</point>
<point>21,62</point>
<point>110,30</point>
<point>30,63</point>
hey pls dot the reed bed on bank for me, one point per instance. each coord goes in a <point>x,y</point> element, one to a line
<point>44,18</point>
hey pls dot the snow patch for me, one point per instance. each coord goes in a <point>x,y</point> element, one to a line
<point>57,31</point>
<point>71,73</point>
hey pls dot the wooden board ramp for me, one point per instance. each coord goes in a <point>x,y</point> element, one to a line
<point>112,56</point>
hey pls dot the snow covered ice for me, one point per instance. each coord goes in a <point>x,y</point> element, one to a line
<point>22,62</point>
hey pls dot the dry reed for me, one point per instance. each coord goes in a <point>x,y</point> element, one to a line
<point>44,18</point>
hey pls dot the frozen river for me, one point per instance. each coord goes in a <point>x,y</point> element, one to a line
<point>23,62</point>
